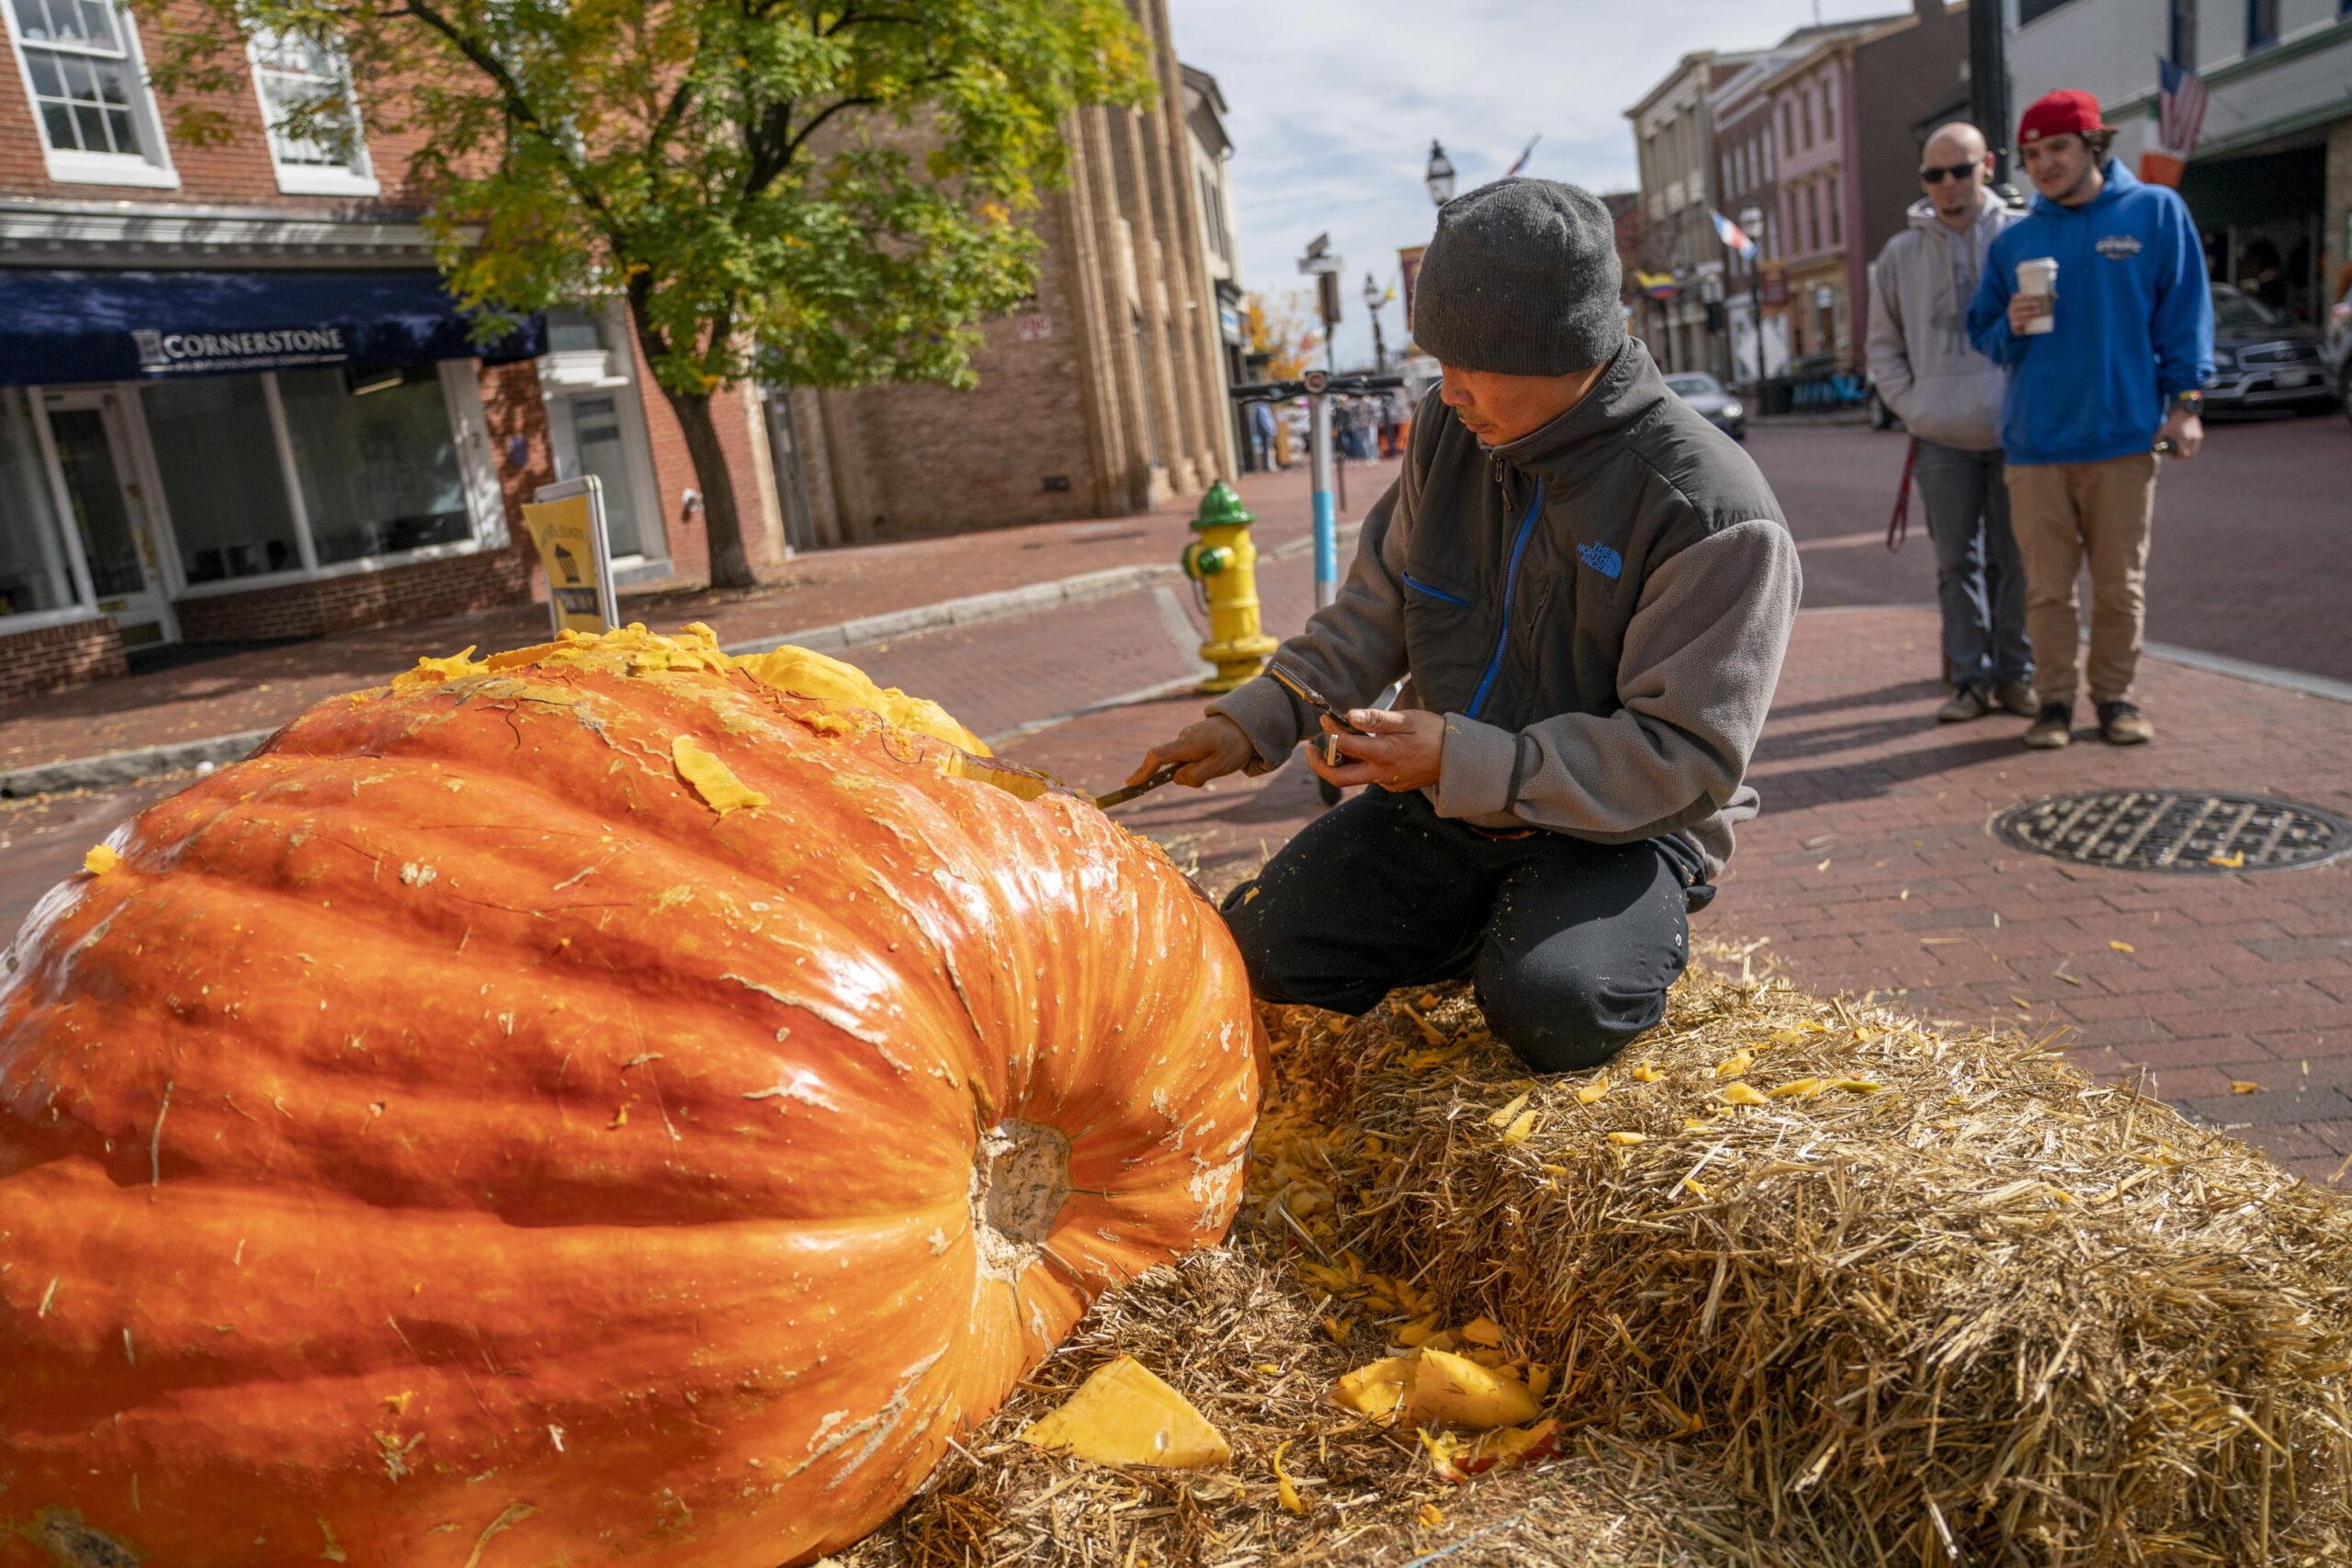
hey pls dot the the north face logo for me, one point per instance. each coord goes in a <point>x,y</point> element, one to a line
<point>1602,560</point>
<point>2115,247</point>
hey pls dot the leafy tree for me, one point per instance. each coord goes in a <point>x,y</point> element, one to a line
<point>826,193</point>
<point>1275,329</point>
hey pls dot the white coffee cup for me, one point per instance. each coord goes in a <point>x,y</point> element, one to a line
<point>2038,277</point>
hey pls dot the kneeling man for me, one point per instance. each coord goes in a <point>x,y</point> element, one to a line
<point>1587,591</point>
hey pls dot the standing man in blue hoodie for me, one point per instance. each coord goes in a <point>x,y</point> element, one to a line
<point>2100,370</point>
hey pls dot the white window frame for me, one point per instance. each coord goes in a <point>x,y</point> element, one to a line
<point>64,546</point>
<point>485,500</point>
<point>71,166</point>
<point>357,178</point>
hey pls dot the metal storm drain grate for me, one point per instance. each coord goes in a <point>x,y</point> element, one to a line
<point>2189,830</point>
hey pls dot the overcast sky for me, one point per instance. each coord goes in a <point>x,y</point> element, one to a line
<point>1334,105</point>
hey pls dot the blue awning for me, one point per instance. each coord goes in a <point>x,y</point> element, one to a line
<point>58,328</point>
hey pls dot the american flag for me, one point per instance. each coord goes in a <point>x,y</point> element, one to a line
<point>1525,153</point>
<point>2180,99</point>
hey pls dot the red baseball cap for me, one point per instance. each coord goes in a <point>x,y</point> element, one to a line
<point>2068,110</point>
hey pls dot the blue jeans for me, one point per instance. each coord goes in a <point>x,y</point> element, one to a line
<point>1979,577</point>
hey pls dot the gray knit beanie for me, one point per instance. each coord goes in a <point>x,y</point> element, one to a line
<point>1522,278</point>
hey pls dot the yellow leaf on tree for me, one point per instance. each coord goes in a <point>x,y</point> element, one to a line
<point>1743,1094</point>
<point>1481,1331</point>
<point>1454,1390</point>
<point>1123,1415</point>
<point>1503,1118</point>
<point>1592,1092</point>
<point>100,860</point>
<point>712,779</point>
<point>1378,1390</point>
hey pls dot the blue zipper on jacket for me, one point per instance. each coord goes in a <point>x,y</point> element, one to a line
<point>1511,582</point>
<point>1417,586</point>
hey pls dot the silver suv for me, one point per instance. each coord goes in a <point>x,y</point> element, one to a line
<point>2262,360</point>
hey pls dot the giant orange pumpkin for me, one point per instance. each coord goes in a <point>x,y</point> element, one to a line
<point>589,1105</point>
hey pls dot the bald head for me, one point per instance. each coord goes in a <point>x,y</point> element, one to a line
<point>1955,142</point>
<point>1953,166</point>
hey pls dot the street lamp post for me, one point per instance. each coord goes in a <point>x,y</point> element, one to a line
<point>1752,223</point>
<point>1373,299</point>
<point>1439,177</point>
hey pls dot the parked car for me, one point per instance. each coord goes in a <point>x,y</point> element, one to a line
<point>2263,360</point>
<point>2338,346</point>
<point>1706,394</point>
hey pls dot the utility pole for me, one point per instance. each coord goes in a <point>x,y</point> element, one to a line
<point>1988,84</point>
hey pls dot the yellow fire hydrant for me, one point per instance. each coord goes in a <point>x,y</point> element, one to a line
<point>1225,563</point>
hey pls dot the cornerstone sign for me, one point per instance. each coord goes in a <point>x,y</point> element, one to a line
<point>210,353</point>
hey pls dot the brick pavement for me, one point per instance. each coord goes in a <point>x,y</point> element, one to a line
<point>260,688</point>
<point>2231,977</point>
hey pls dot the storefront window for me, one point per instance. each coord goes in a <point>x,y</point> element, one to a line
<point>219,463</point>
<point>33,575</point>
<point>377,467</point>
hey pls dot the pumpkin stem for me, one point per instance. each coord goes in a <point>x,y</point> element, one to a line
<point>1020,1181</point>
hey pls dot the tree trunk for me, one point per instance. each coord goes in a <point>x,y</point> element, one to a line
<point>730,567</point>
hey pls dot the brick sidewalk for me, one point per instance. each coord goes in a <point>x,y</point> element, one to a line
<point>261,688</point>
<point>2231,978</point>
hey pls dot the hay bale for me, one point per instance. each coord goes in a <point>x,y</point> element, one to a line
<point>1990,1313</point>
<point>1950,1302</point>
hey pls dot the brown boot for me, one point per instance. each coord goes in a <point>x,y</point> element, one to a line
<point>1965,703</point>
<point>2054,727</point>
<point>2017,697</point>
<point>2121,724</point>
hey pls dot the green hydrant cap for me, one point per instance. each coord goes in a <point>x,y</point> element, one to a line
<point>1221,508</point>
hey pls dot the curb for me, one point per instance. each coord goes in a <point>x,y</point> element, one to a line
<point>144,762</point>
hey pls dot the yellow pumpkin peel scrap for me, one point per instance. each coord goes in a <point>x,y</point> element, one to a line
<point>1124,1415</point>
<point>1283,1487</point>
<point>712,779</point>
<point>1739,1093</point>
<point>100,860</point>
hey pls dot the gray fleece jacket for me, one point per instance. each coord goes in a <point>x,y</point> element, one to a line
<point>1599,609</point>
<point>1920,358</point>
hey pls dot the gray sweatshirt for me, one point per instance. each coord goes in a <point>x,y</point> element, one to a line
<point>1920,358</point>
<point>1599,609</point>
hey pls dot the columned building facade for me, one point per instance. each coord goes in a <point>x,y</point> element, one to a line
<point>1104,395</point>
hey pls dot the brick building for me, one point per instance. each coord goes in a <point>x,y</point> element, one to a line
<point>1102,395</point>
<point>1847,116</point>
<point>235,404</point>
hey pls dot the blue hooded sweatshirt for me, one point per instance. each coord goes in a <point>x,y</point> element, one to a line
<point>2134,322</point>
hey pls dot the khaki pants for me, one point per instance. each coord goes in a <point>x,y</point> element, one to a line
<point>2062,512</point>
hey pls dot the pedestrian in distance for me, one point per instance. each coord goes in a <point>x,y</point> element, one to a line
<point>2096,302</point>
<point>1949,396</point>
<point>1261,434</point>
<point>1395,411</point>
<point>1588,590</point>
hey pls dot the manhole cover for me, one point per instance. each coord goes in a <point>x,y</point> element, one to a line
<point>2177,829</point>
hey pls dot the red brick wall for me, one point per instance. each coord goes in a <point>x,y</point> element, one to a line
<point>239,172</point>
<point>53,658</point>
<point>451,586</point>
<point>674,475</point>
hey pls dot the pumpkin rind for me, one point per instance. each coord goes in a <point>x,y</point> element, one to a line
<point>450,1137</point>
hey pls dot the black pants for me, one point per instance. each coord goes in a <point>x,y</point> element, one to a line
<point>1572,944</point>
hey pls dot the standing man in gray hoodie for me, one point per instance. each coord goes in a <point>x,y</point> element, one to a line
<point>1588,588</point>
<point>1948,396</point>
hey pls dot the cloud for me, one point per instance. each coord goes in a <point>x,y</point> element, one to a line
<point>1334,105</point>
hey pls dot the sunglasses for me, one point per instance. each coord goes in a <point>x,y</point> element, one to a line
<point>1936,176</point>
